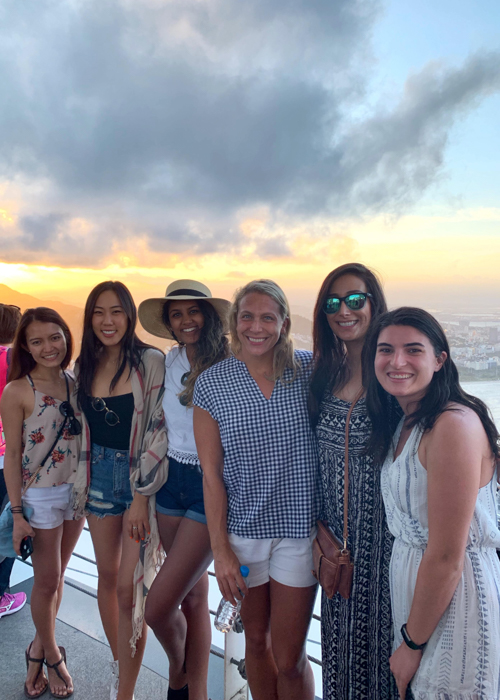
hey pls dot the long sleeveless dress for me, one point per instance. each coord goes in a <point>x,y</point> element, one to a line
<point>462,658</point>
<point>356,634</point>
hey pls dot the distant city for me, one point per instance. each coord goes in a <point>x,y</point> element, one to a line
<point>475,344</point>
<point>474,341</point>
<point>474,336</point>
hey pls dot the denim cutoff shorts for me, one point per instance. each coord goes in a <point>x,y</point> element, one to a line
<point>109,492</point>
<point>182,494</point>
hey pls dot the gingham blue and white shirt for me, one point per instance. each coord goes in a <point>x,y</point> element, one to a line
<point>270,455</point>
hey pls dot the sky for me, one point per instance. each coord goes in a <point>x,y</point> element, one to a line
<point>219,140</point>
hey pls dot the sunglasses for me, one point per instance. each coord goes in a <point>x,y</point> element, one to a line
<point>111,417</point>
<point>354,302</point>
<point>74,426</point>
<point>184,379</point>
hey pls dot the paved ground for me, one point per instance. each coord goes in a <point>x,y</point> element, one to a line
<point>88,662</point>
<point>78,629</point>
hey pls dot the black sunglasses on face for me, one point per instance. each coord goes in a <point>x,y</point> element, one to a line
<point>354,302</point>
<point>74,426</point>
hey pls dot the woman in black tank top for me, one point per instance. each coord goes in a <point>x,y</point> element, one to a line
<point>120,382</point>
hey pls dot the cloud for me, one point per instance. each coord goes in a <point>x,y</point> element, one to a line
<point>163,121</point>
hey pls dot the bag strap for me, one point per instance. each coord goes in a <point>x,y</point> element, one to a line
<point>346,465</point>
<point>59,433</point>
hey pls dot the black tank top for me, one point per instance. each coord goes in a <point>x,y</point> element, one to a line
<point>102,433</point>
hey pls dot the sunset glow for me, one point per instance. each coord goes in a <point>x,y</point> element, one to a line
<point>227,148</point>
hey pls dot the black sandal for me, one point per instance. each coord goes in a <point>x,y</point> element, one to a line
<point>34,661</point>
<point>56,669</point>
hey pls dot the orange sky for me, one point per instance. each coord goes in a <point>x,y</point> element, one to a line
<point>251,141</point>
<point>415,255</point>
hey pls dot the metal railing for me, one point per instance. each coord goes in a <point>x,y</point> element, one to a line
<point>235,685</point>
<point>73,584</point>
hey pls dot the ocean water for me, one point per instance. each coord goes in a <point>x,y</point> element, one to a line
<point>86,573</point>
<point>489,392</point>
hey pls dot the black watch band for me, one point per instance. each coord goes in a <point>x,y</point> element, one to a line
<point>409,641</point>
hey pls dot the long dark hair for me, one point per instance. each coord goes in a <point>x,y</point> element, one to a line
<point>330,369</point>
<point>443,389</point>
<point>132,348</point>
<point>21,360</point>
<point>211,347</point>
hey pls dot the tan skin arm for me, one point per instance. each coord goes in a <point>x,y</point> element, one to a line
<point>458,460</point>
<point>211,454</point>
<point>13,406</point>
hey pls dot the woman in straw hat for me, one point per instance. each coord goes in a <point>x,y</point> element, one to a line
<point>189,315</point>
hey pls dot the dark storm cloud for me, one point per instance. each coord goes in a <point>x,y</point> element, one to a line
<point>38,232</point>
<point>166,119</point>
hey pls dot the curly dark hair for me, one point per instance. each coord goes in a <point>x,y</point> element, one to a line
<point>211,347</point>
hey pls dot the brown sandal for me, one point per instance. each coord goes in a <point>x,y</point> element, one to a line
<point>56,669</point>
<point>40,670</point>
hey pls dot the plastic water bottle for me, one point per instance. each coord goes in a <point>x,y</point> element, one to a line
<point>227,612</point>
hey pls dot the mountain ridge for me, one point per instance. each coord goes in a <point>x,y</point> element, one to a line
<point>73,315</point>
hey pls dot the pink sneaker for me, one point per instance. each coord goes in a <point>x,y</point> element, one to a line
<point>10,604</point>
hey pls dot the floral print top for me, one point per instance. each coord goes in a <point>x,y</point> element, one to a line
<point>39,433</point>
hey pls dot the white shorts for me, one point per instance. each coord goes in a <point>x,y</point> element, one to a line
<point>52,505</point>
<point>285,560</point>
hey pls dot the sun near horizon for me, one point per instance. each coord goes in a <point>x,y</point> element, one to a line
<point>456,258</point>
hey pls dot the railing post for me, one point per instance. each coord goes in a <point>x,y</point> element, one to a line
<point>235,685</point>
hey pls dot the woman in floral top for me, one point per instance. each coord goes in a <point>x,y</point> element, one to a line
<point>34,409</point>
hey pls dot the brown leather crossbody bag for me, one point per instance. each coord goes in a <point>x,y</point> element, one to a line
<point>332,562</point>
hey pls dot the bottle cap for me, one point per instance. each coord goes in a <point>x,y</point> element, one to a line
<point>244,571</point>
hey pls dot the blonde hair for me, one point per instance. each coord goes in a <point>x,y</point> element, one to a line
<point>283,350</point>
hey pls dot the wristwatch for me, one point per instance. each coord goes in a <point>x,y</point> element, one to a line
<point>409,641</point>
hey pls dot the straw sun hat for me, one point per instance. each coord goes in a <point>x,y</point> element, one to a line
<point>150,310</point>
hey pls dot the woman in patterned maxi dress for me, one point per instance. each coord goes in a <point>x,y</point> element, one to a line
<point>356,634</point>
<point>439,488</point>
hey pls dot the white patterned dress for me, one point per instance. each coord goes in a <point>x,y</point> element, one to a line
<point>462,658</point>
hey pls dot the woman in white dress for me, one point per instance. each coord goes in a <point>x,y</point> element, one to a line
<point>439,488</point>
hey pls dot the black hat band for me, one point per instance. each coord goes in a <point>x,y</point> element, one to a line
<point>186,292</point>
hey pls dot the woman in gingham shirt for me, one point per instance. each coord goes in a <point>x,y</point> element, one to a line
<point>260,467</point>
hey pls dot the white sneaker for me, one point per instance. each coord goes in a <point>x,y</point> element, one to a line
<point>115,681</point>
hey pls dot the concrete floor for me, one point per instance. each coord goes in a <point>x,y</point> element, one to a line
<point>88,662</point>
<point>79,630</point>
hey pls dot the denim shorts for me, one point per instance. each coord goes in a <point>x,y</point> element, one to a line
<point>182,494</point>
<point>109,492</point>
